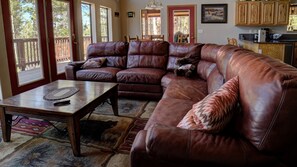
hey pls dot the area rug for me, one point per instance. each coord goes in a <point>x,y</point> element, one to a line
<point>138,125</point>
<point>7,148</point>
<point>127,107</point>
<point>100,131</point>
<point>29,126</point>
<point>44,152</point>
<point>106,139</point>
<point>119,160</point>
<point>148,110</point>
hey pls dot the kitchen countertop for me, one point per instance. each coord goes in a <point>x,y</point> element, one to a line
<point>273,41</point>
<point>284,39</point>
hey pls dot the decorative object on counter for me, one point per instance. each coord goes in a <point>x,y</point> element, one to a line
<point>276,36</point>
<point>232,41</point>
<point>214,13</point>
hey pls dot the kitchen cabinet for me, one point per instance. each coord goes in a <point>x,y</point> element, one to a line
<point>267,13</point>
<point>282,16</point>
<point>242,13</point>
<point>259,13</point>
<point>254,13</point>
<point>273,50</point>
<point>280,51</point>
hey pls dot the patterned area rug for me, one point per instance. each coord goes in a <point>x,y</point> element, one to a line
<point>106,139</point>
<point>100,131</point>
<point>44,152</point>
<point>29,126</point>
<point>127,107</point>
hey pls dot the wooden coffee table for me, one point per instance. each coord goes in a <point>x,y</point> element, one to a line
<point>32,104</point>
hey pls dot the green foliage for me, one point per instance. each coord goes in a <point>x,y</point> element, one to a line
<point>25,23</point>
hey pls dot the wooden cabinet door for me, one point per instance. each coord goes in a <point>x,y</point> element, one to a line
<point>267,13</point>
<point>282,13</point>
<point>241,13</point>
<point>254,13</point>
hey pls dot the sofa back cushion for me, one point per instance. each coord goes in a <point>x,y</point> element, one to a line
<point>268,93</point>
<point>207,67</point>
<point>179,50</point>
<point>114,52</point>
<point>149,54</point>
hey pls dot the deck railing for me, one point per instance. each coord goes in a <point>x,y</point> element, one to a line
<point>27,54</point>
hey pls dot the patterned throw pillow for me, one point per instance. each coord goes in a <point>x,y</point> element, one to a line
<point>215,111</point>
<point>94,63</point>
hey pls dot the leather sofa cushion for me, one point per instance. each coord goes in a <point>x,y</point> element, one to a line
<point>140,88</point>
<point>209,52</point>
<point>104,74</point>
<point>147,54</point>
<point>179,50</point>
<point>192,90</point>
<point>268,101</point>
<point>204,68</point>
<point>169,111</point>
<point>170,76</point>
<point>214,81</point>
<point>141,75</point>
<point>115,53</point>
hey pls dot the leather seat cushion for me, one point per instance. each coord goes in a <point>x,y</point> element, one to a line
<point>169,111</point>
<point>104,74</point>
<point>192,90</point>
<point>170,76</point>
<point>141,75</point>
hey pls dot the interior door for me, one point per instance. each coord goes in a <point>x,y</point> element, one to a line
<point>61,34</point>
<point>181,20</point>
<point>25,43</point>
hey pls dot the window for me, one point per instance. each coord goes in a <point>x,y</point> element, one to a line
<point>104,24</point>
<point>151,22</point>
<point>86,25</point>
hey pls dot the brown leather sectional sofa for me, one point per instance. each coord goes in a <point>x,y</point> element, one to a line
<point>262,133</point>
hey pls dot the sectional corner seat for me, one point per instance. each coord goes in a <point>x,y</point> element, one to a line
<point>262,133</point>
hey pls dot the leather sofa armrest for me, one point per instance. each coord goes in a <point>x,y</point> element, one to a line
<point>192,147</point>
<point>76,63</point>
<point>72,68</point>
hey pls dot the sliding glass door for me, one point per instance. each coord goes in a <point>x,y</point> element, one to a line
<point>26,41</point>
<point>61,36</point>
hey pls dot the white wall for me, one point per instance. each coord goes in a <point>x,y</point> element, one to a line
<point>212,33</point>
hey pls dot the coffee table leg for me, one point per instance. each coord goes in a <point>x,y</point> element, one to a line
<point>114,102</point>
<point>6,120</point>
<point>74,135</point>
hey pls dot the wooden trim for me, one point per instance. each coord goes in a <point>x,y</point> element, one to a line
<point>15,87</point>
<point>192,9</point>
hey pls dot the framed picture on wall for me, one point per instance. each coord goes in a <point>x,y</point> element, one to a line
<point>214,13</point>
<point>130,14</point>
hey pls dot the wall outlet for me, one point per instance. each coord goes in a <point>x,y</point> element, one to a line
<point>200,31</point>
<point>260,51</point>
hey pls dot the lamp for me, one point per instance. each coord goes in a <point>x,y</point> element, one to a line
<point>153,4</point>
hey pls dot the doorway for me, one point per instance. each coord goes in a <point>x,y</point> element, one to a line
<point>31,27</point>
<point>181,23</point>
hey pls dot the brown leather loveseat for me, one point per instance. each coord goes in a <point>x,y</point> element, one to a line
<point>262,132</point>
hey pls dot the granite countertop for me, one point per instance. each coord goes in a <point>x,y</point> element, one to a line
<point>284,39</point>
<point>273,41</point>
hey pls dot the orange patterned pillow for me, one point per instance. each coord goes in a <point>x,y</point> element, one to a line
<point>94,63</point>
<point>215,111</point>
